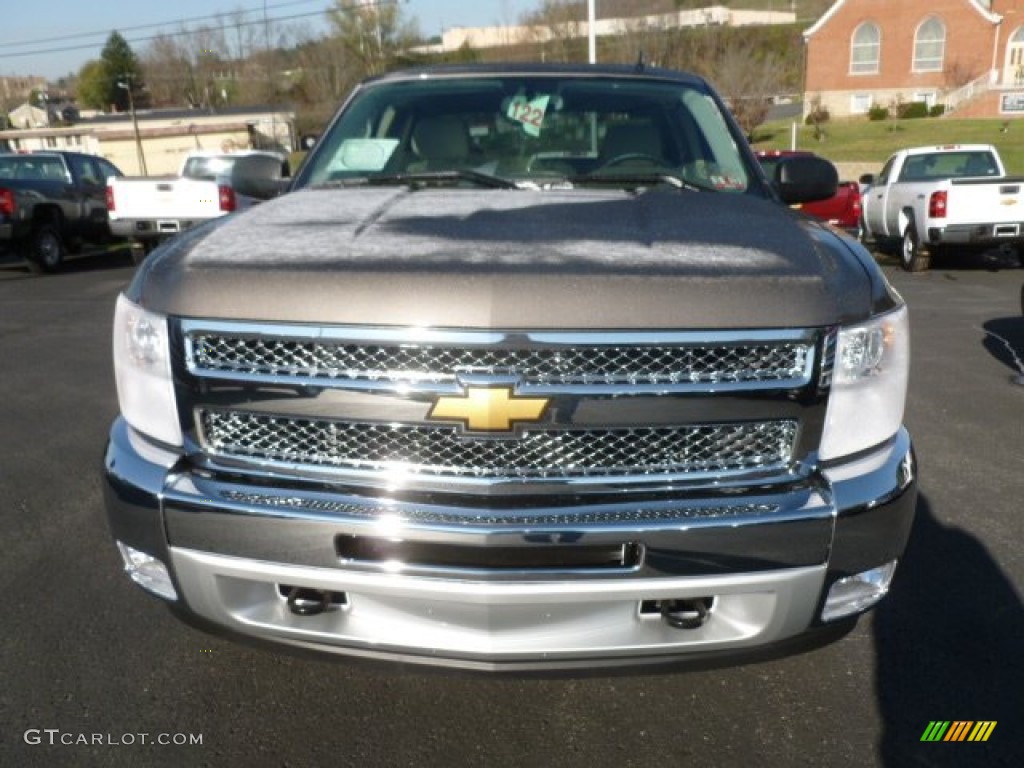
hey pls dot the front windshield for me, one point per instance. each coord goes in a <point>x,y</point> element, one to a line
<point>532,130</point>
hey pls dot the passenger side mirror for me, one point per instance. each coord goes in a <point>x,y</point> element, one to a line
<point>867,179</point>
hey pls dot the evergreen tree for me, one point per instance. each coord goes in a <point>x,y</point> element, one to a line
<point>100,81</point>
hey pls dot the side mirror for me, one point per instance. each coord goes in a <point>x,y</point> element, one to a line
<point>259,176</point>
<point>867,179</point>
<point>805,178</point>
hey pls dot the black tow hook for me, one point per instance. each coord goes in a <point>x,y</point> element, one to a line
<point>686,614</point>
<point>303,601</point>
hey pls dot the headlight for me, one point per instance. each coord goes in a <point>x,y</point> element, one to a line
<point>869,385</point>
<point>142,368</point>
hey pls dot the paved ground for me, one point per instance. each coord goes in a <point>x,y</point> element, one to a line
<point>85,652</point>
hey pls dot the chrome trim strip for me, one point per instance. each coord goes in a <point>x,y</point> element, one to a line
<point>395,481</point>
<point>481,518</point>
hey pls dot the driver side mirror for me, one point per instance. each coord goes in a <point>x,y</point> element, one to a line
<point>804,179</point>
<point>259,176</point>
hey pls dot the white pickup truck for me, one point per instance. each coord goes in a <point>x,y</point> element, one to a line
<point>148,209</point>
<point>937,200</point>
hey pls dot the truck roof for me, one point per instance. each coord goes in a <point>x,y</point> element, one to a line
<point>948,148</point>
<point>639,70</point>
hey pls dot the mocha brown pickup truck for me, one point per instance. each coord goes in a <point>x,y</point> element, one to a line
<point>532,367</point>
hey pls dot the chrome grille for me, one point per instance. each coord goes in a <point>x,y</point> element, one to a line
<point>783,363</point>
<point>542,453</point>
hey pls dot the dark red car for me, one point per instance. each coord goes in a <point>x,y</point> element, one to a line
<point>843,210</point>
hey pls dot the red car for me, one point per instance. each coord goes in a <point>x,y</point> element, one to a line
<point>842,210</point>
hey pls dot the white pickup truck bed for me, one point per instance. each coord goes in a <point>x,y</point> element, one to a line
<point>944,199</point>
<point>150,209</point>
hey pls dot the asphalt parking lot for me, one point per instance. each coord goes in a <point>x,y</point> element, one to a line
<point>86,654</point>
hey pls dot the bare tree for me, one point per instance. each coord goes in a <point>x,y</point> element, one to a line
<point>169,70</point>
<point>959,73</point>
<point>371,32</point>
<point>558,25</point>
<point>747,77</point>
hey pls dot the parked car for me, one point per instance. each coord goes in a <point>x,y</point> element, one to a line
<point>530,368</point>
<point>148,209</point>
<point>51,202</point>
<point>842,210</point>
<point>936,200</point>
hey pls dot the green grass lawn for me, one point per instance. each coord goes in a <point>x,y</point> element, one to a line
<point>859,140</point>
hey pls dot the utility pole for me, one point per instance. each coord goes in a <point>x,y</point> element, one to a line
<point>271,89</point>
<point>591,32</point>
<point>128,84</point>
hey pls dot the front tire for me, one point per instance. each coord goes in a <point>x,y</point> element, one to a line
<point>46,250</point>
<point>913,258</point>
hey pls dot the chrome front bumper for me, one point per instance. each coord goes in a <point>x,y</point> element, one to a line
<point>764,561</point>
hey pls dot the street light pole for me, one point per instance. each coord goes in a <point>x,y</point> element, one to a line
<point>135,122</point>
<point>591,32</point>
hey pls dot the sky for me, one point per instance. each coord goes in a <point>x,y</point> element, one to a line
<point>29,31</point>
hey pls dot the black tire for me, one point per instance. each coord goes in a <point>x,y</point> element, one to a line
<point>139,249</point>
<point>46,250</point>
<point>137,253</point>
<point>913,258</point>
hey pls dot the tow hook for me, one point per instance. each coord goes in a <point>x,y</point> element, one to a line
<point>303,601</point>
<point>686,614</point>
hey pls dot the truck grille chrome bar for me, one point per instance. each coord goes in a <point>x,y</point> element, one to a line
<point>436,359</point>
<point>542,453</point>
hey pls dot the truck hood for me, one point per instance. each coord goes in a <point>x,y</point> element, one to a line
<point>512,259</point>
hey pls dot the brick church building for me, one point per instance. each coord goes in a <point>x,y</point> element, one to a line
<point>967,55</point>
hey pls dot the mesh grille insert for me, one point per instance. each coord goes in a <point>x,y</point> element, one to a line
<point>542,453</point>
<point>272,356</point>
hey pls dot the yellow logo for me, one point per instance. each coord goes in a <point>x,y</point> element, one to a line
<point>487,409</point>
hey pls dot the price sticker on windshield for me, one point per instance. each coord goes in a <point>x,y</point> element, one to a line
<point>529,113</point>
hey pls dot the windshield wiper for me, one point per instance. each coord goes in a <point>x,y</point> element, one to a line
<point>638,179</point>
<point>417,178</point>
<point>479,178</point>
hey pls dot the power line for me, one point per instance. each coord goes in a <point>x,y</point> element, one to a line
<point>154,25</point>
<point>146,39</point>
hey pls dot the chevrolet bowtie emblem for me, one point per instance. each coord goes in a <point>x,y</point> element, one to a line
<point>489,409</point>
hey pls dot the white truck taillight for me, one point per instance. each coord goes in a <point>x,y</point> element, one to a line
<point>937,204</point>
<point>226,196</point>
<point>142,369</point>
<point>110,198</point>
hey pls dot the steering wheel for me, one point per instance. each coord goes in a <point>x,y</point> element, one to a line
<point>633,157</point>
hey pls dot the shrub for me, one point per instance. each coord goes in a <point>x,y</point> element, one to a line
<point>878,112</point>
<point>937,110</point>
<point>913,109</point>
<point>817,116</point>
